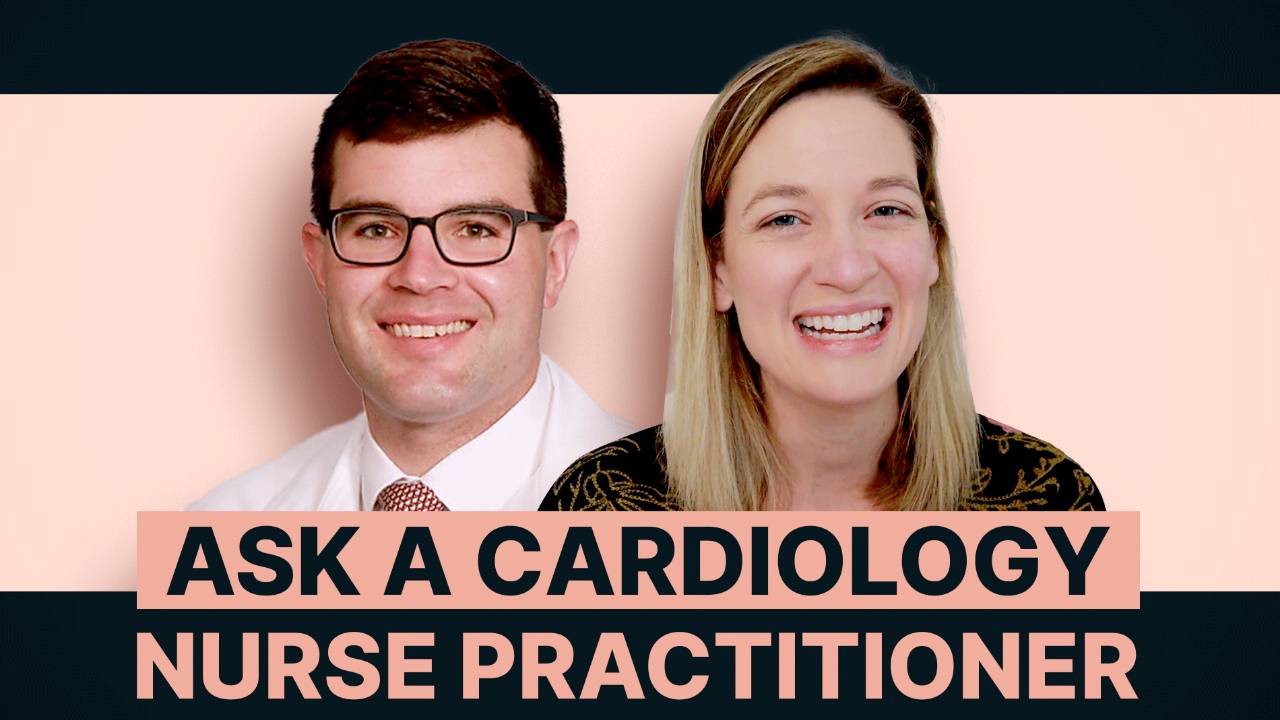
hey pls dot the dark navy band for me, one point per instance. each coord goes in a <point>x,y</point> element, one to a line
<point>1087,46</point>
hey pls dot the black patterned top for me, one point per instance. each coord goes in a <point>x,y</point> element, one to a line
<point>1015,472</point>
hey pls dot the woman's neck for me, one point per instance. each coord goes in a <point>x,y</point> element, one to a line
<point>830,454</point>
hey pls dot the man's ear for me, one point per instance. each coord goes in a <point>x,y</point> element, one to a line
<point>314,249</point>
<point>720,287</point>
<point>560,249</point>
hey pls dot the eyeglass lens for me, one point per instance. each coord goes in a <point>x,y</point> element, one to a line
<point>465,236</point>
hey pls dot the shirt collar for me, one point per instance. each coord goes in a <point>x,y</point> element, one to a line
<point>483,474</point>
<point>376,469</point>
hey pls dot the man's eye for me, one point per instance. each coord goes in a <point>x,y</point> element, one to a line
<point>476,231</point>
<point>377,231</point>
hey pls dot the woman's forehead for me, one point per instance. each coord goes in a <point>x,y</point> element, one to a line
<point>828,138</point>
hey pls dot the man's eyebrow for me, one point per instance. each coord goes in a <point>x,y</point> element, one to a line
<point>360,203</point>
<point>492,201</point>
<point>772,191</point>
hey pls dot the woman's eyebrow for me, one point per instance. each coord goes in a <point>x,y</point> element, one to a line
<point>772,191</point>
<point>796,191</point>
<point>899,181</point>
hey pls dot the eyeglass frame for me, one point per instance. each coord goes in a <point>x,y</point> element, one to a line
<point>518,217</point>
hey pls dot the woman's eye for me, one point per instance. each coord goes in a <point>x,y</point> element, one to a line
<point>888,211</point>
<point>783,221</point>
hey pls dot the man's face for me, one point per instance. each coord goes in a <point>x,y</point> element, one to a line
<point>491,315</point>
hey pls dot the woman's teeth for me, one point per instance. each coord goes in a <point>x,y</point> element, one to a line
<point>427,331</point>
<point>842,327</point>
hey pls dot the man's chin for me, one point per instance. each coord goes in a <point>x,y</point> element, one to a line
<point>431,406</point>
<point>445,394</point>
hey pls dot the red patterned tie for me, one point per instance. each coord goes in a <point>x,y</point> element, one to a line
<point>406,494</point>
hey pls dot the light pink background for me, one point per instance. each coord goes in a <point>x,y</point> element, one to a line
<point>1118,257</point>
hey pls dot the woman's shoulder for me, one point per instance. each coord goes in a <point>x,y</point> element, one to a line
<point>626,474</point>
<point>1017,471</point>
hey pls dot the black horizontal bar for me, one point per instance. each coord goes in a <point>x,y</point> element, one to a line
<point>72,654</point>
<point>64,46</point>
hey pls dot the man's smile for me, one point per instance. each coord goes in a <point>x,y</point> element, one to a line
<point>427,331</point>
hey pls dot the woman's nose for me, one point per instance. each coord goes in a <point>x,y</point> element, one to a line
<point>845,260</point>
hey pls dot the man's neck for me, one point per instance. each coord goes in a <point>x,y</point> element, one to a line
<point>416,447</point>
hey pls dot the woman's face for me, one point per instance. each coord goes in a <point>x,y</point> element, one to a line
<point>828,258</point>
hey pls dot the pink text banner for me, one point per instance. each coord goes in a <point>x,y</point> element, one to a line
<point>499,560</point>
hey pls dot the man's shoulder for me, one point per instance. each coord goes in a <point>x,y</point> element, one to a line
<point>576,415</point>
<point>314,457</point>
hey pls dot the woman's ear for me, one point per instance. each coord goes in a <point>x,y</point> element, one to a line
<point>938,233</point>
<point>720,287</point>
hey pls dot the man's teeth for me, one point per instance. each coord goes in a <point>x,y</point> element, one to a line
<point>427,331</point>
<point>857,325</point>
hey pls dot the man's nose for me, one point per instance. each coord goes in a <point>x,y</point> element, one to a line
<point>422,268</point>
<point>845,259</point>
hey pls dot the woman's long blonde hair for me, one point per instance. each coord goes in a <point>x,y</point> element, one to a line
<point>720,454</point>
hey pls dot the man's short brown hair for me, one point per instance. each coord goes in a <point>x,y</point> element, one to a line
<point>438,87</point>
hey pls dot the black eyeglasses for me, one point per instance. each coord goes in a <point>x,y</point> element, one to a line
<point>463,236</point>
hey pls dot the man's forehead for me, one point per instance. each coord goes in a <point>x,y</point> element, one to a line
<point>482,161</point>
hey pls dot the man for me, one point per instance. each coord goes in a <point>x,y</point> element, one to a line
<point>439,196</point>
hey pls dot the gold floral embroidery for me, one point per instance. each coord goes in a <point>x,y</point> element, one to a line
<point>1022,472</point>
<point>1016,472</point>
<point>598,481</point>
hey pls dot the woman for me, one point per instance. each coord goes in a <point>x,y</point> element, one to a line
<point>818,358</point>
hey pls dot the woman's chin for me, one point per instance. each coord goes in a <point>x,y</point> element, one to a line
<point>847,396</point>
<point>852,400</point>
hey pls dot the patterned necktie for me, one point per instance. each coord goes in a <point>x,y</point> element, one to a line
<point>408,494</point>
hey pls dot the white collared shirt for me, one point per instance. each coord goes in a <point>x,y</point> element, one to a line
<point>509,466</point>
